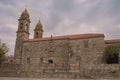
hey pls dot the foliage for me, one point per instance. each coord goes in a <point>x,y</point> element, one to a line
<point>3,49</point>
<point>112,54</point>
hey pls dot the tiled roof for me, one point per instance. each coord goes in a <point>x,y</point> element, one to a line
<point>78,36</point>
<point>113,41</point>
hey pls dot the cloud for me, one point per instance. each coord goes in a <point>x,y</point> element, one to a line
<point>61,17</point>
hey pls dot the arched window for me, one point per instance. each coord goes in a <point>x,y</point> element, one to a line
<point>21,27</point>
<point>50,61</point>
<point>36,34</point>
<point>26,27</point>
<point>26,24</point>
<point>22,24</point>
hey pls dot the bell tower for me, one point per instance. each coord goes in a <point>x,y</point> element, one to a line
<point>38,31</point>
<point>23,25</point>
<point>22,35</point>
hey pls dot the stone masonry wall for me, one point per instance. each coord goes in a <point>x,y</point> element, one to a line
<point>46,55</point>
<point>61,56</point>
<point>88,71</point>
<point>63,59</point>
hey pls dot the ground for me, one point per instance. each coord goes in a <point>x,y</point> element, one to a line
<point>12,78</point>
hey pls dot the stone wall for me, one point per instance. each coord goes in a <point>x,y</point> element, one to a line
<point>61,55</point>
<point>66,58</point>
<point>45,55</point>
<point>92,54</point>
<point>7,70</point>
<point>86,71</point>
<point>101,71</point>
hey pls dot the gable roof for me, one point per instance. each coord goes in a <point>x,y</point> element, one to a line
<point>78,36</point>
<point>112,41</point>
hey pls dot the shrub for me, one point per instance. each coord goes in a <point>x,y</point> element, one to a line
<point>112,54</point>
<point>3,50</point>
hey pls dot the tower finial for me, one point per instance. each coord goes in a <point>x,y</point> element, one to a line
<point>39,21</point>
<point>25,6</point>
<point>51,37</point>
<point>25,14</point>
<point>38,26</point>
<point>38,31</point>
<point>25,9</point>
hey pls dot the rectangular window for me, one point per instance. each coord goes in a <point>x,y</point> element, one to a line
<point>86,44</point>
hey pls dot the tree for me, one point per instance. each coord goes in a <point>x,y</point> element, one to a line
<point>3,50</point>
<point>112,54</point>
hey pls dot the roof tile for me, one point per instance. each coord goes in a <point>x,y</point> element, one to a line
<point>78,36</point>
<point>113,41</point>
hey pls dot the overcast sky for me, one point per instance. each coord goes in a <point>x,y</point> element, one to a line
<point>61,17</point>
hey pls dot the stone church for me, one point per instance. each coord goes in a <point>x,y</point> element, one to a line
<point>68,56</point>
<point>60,53</point>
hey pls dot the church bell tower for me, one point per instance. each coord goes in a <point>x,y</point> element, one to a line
<point>22,35</point>
<point>38,31</point>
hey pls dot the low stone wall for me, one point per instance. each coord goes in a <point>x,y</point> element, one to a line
<point>86,71</point>
<point>101,71</point>
<point>7,70</point>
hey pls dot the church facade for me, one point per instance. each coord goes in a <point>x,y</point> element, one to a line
<point>69,56</point>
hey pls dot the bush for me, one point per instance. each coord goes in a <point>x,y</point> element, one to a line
<point>112,54</point>
<point>3,50</point>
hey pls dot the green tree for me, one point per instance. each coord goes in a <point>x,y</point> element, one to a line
<point>3,49</point>
<point>112,54</point>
